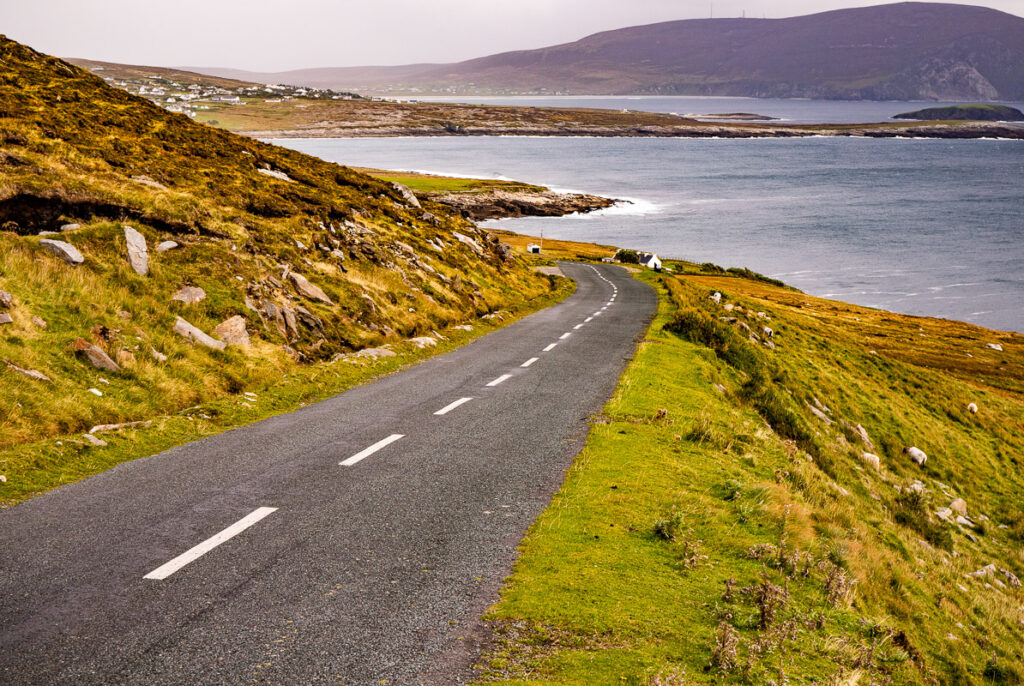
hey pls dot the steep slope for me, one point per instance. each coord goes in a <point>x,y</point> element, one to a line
<point>900,51</point>
<point>306,259</point>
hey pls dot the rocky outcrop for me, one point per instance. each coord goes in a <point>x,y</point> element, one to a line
<point>308,290</point>
<point>6,300</point>
<point>30,373</point>
<point>65,251</point>
<point>497,204</point>
<point>138,253</point>
<point>965,112</point>
<point>407,195</point>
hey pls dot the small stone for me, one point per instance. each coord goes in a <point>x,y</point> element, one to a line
<point>65,251</point>
<point>39,321</point>
<point>166,245</point>
<point>6,300</point>
<point>138,256</point>
<point>93,441</point>
<point>70,227</point>
<point>959,506</point>
<point>466,240</point>
<point>157,355</point>
<point>308,290</point>
<point>183,328</point>
<point>276,174</point>
<point>94,355</point>
<point>118,427</point>
<point>190,295</point>
<point>423,342</point>
<point>96,392</point>
<point>5,318</point>
<point>125,358</point>
<point>994,346</point>
<point>232,331</point>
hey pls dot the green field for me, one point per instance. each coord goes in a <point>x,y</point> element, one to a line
<point>716,530</point>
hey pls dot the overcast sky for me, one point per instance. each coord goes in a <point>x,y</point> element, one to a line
<point>273,35</point>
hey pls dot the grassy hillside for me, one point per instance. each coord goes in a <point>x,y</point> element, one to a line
<point>723,526</point>
<point>319,260</point>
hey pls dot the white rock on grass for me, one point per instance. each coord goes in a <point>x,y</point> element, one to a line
<point>308,290</point>
<point>994,346</point>
<point>93,441</point>
<point>157,355</point>
<point>183,328</point>
<point>96,392</point>
<point>30,373</point>
<point>70,227</point>
<point>462,238</point>
<point>280,175</point>
<point>190,295</point>
<point>138,253</point>
<point>232,331</point>
<point>65,251</point>
<point>166,245</point>
<point>407,195</point>
<point>6,300</point>
<point>423,342</point>
<point>959,506</point>
<point>6,318</point>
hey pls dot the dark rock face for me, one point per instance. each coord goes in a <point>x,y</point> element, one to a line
<point>500,204</point>
<point>965,113</point>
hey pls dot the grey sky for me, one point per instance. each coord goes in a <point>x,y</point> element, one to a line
<point>276,35</point>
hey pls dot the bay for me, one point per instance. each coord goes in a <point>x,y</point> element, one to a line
<point>930,227</point>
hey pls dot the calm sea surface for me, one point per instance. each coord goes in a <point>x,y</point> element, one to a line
<point>917,226</point>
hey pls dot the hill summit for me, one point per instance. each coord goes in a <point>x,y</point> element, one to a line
<point>904,51</point>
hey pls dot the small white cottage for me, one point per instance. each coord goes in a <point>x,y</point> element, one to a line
<point>649,259</point>
<point>533,247</point>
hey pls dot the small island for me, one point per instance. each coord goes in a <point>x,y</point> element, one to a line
<point>965,113</point>
<point>735,116</point>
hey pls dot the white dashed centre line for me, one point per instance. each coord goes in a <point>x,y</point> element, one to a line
<point>550,347</point>
<point>503,377</point>
<point>448,408</point>
<point>371,450</point>
<point>165,570</point>
<point>577,327</point>
<point>588,320</point>
<point>529,362</point>
<point>564,336</point>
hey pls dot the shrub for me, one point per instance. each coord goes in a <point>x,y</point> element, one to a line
<point>627,257</point>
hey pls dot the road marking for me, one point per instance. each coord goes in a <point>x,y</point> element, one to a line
<point>577,327</point>
<point>550,347</point>
<point>598,313</point>
<point>371,450</point>
<point>564,336</point>
<point>503,377</point>
<point>529,362</point>
<point>588,320</point>
<point>448,408</point>
<point>165,570</point>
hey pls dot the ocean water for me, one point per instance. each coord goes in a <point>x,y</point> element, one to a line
<point>786,111</point>
<point>931,227</point>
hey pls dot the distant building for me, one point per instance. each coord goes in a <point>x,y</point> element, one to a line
<point>533,247</point>
<point>649,259</point>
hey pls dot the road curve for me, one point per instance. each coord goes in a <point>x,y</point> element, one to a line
<point>354,541</point>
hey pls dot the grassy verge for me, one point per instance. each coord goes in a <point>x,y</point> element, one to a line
<point>34,467</point>
<point>717,529</point>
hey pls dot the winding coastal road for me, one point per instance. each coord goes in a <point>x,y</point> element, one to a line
<point>355,541</point>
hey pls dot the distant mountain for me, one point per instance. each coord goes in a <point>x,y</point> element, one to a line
<point>905,51</point>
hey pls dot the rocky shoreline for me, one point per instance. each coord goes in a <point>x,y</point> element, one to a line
<point>964,130</point>
<point>504,204</point>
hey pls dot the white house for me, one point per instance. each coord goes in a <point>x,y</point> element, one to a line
<point>533,247</point>
<point>649,259</point>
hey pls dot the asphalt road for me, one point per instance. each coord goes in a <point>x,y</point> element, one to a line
<point>375,569</point>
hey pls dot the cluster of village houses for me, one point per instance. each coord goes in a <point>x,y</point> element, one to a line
<point>189,98</point>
